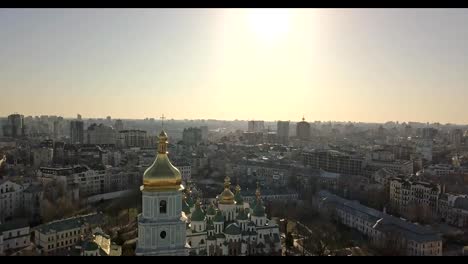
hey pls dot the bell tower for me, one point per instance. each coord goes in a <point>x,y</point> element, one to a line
<point>162,225</point>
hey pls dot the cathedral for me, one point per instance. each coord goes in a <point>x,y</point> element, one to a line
<point>172,223</point>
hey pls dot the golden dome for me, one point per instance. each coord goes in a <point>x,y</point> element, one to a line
<point>162,175</point>
<point>226,197</point>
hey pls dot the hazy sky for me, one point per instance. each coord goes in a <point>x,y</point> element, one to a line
<point>327,64</point>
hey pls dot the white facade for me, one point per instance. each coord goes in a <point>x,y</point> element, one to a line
<point>161,225</point>
<point>11,199</point>
<point>14,235</point>
<point>17,238</point>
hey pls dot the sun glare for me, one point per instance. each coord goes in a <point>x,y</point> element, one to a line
<point>269,24</point>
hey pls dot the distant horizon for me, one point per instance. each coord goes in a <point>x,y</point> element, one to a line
<point>368,65</point>
<point>234,120</point>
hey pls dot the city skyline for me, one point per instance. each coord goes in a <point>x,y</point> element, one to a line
<point>166,118</point>
<point>226,64</point>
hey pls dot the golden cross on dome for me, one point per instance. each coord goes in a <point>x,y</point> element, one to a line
<point>162,121</point>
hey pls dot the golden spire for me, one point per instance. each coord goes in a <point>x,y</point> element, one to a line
<point>238,188</point>
<point>227,197</point>
<point>162,146</point>
<point>227,182</point>
<point>257,192</point>
<point>162,175</point>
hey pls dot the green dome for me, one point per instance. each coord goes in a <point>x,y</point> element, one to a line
<point>253,204</point>
<point>185,207</point>
<point>198,214</point>
<point>242,215</point>
<point>218,217</point>
<point>259,209</point>
<point>220,235</point>
<point>190,201</point>
<point>211,210</point>
<point>238,197</point>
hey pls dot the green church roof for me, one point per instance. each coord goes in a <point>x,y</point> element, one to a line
<point>190,201</point>
<point>218,217</point>
<point>185,207</point>
<point>259,209</point>
<point>232,229</point>
<point>211,210</point>
<point>238,197</point>
<point>242,215</point>
<point>198,214</point>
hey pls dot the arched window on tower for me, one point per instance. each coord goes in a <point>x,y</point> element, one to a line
<point>162,207</point>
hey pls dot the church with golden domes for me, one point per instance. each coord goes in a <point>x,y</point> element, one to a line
<point>172,223</point>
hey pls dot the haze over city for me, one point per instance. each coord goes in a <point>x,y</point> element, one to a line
<point>326,64</point>
<point>233,132</point>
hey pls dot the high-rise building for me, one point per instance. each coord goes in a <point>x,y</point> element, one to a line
<point>76,132</point>
<point>456,137</point>
<point>192,136</point>
<point>428,133</point>
<point>14,126</point>
<point>282,133</point>
<point>132,138</point>
<point>303,130</point>
<point>334,161</point>
<point>162,225</point>
<point>100,135</point>
<point>58,124</point>
<point>119,126</point>
<point>256,126</point>
<point>78,117</point>
<point>204,133</point>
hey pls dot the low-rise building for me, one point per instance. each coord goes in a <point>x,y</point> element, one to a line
<point>14,235</point>
<point>334,161</point>
<point>65,233</point>
<point>382,230</point>
<point>402,166</point>
<point>440,170</point>
<point>90,181</point>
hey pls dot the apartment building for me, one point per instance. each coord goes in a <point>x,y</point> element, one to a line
<point>382,229</point>
<point>406,194</point>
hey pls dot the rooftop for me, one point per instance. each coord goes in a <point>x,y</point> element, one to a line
<point>12,225</point>
<point>383,222</point>
<point>70,223</point>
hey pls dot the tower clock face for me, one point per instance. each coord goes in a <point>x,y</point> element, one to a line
<point>163,234</point>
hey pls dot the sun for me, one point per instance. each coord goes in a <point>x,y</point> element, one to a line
<point>269,24</point>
